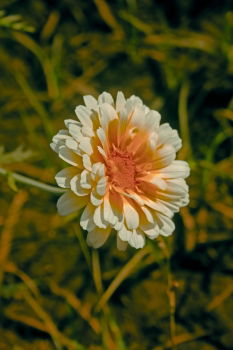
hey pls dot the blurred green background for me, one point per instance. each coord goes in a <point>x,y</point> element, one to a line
<point>55,293</point>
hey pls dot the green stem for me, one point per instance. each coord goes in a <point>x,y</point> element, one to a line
<point>172,304</point>
<point>164,245</point>
<point>28,181</point>
<point>122,275</point>
<point>97,271</point>
<point>183,118</point>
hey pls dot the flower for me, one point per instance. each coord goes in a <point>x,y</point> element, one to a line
<point>122,171</point>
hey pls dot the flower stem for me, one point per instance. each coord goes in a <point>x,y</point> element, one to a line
<point>170,292</point>
<point>97,271</point>
<point>183,118</point>
<point>28,181</point>
<point>172,305</point>
<point>121,276</point>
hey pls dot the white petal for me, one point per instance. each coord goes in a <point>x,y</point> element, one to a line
<point>59,140</point>
<point>152,120</point>
<point>98,217</point>
<point>164,156</point>
<point>138,117</point>
<point>156,180</point>
<point>54,147</point>
<point>124,114</point>
<point>105,97</point>
<point>148,214</point>
<point>107,114</point>
<point>151,230</point>
<point>102,152</point>
<point>86,220</point>
<point>98,170</point>
<point>85,145</point>
<point>75,131</point>
<point>137,239</point>
<point>101,135</point>
<point>116,203</point>
<point>176,186</point>
<point>101,186</point>
<point>95,199</point>
<point>167,135</point>
<point>61,135</point>
<point>85,179</point>
<point>124,234</point>
<point>84,115</point>
<point>69,122</point>
<point>134,196</point>
<point>158,207</point>
<point>64,176</point>
<point>87,162</point>
<point>120,101</point>
<point>131,104</point>
<point>71,144</point>
<point>119,223</point>
<point>149,224</point>
<point>108,212</point>
<point>121,245</point>
<point>134,101</point>
<point>69,203</point>
<point>86,131</point>
<point>76,188</point>
<point>185,201</point>
<point>176,169</point>
<point>166,225</point>
<point>98,237</point>
<point>172,205</point>
<point>90,102</point>
<point>131,216</point>
<point>69,156</point>
<point>173,199</point>
<point>153,140</point>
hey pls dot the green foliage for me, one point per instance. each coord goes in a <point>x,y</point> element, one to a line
<point>18,155</point>
<point>178,57</point>
<point>14,22</point>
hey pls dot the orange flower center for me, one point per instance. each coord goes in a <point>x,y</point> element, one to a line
<point>121,169</point>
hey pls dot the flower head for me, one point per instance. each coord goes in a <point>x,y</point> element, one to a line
<point>122,171</point>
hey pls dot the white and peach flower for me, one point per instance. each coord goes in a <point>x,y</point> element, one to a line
<point>122,171</point>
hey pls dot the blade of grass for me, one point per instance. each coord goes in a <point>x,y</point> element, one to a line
<point>97,271</point>
<point>44,60</point>
<point>82,309</point>
<point>122,275</point>
<point>25,320</point>
<point>183,339</point>
<point>13,269</point>
<point>58,338</point>
<point>219,299</point>
<point>107,15</point>
<point>7,233</point>
<point>79,234</point>
<point>107,339</point>
<point>210,154</point>
<point>50,25</point>
<point>32,296</point>
<point>35,103</point>
<point>183,119</point>
<point>163,244</point>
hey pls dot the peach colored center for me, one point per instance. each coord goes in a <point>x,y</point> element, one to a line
<point>121,169</point>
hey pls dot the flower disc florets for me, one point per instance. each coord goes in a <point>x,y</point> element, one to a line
<point>122,171</point>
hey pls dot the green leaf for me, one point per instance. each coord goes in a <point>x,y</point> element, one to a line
<point>15,22</point>
<point>18,155</point>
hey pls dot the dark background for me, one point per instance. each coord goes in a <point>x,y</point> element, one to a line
<point>178,57</point>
